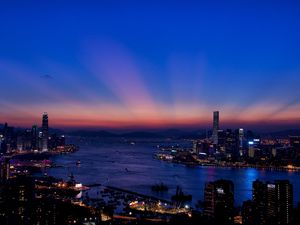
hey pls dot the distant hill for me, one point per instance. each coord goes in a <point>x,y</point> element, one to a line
<point>168,133</point>
<point>87,133</point>
<point>141,134</point>
<point>107,134</point>
<point>193,135</point>
<point>171,133</point>
<point>282,134</point>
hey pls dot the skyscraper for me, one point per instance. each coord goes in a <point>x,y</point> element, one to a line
<point>215,127</point>
<point>251,149</point>
<point>259,198</point>
<point>272,202</point>
<point>279,201</point>
<point>248,213</point>
<point>241,137</point>
<point>219,201</point>
<point>45,133</point>
<point>4,168</point>
<point>34,137</point>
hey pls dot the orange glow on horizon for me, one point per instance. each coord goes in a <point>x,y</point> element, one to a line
<point>113,116</point>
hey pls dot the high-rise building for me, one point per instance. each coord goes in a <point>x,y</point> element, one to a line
<point>196,146</point>
<point>215,127</point>
<point>219,201</point>
<point>1,143</point>
<point>24,141</point>
<point>40,140</point>
<point>20,142</point>
<point>241,142</point>
<point>34,137</point>
<point>9,139</point>
<point>272,202</point>
<point>241,137</point>
<point>251,149</point>
<point>279,202</point>
<point>4,168</point>
<point>228,143</point>
<point>259,198</point>
<point>45,132</point>
<point>248,213</point>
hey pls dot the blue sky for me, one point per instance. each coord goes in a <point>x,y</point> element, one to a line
<point>148,63</point>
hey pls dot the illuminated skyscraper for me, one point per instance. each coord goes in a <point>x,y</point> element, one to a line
<point>45,132</point>
<point>215,127</point>
<point>241,137</point>
<point>251,149</point>
<point>219,201</point>
<point>259,197</point>
<point>279,202</point>
<point>273,202</point>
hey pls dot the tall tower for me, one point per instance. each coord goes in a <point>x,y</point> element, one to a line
<point>45,132</point>
<point>215,127</point>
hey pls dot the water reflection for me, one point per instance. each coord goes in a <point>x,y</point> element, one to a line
<point>133,167</point>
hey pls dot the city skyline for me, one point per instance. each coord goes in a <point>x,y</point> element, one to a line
<point>147,112</point>
<point>151,65</point>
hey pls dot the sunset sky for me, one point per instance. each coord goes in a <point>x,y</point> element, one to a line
<point>124,64</point>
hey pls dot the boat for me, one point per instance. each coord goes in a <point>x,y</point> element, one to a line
<point>78,163</point>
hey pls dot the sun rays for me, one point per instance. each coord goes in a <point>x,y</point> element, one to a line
<point>112,90</point>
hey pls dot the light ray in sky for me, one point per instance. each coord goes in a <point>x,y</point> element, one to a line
<point>152,65</point>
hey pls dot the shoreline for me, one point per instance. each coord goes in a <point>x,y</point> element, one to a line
<point>258,167</point>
